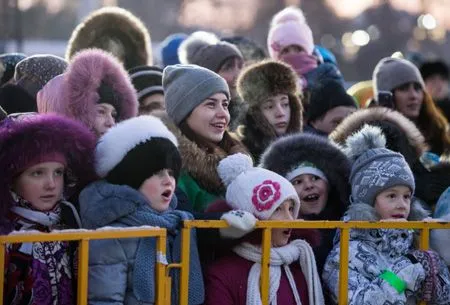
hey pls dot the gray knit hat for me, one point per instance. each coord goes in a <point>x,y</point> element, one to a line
<point>206,50</point>
<point>391,73</point>
<point>33,72</point>
<point>187,86</point>
<point>375,168</point>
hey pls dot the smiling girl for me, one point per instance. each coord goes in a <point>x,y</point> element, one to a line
<point>197,101</point>
<point>45,159</point>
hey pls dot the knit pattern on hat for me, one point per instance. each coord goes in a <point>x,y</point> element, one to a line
<point>169,48</point>
<point>33,72</point>
<point>206,50</point>
<point>375,168</point>
<point>147,80</point>
<point>255,190</point>
<point>117,31</point>
<point>187,86</point>
<point>391,73</point>
<point>114,145</point>
<point>289,27</point>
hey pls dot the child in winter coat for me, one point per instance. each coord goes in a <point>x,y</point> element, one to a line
<point>270,90</point>
<point>384,268</point>
<point>234,279</point>
<point>139,162</point>
<point>44,158</point>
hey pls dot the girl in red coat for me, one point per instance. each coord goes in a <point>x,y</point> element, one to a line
<point>234,279</point>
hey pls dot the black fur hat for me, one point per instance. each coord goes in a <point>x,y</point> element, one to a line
<point>286,153</point>
<point>117,31</point>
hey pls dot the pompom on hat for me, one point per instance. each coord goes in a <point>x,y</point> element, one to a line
<point>253,189</point>
<point>136,149</point>
<point>375,168</point>
<point>289,27</point>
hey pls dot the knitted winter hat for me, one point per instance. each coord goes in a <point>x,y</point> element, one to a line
<point>187,86</point>
<point>391,73</point>
<point>9,62</point>
<point>147,80</point>
<point>117,31</point>
<point>35,71</point>
<point>78,92</point>
<point>14,99</point>
<point>169,48</point>
<point>136,149</point>
<point>33,139</point>
<point>289,27</point>
<point>255,190</point>
<point>436,67</point>
<point>326,96</point>
<point>206,50</point>
<point>375,168</point>
<point>250,50</point>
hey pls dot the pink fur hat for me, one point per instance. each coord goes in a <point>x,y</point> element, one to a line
<point>289,27</point>
<point>75,93</point>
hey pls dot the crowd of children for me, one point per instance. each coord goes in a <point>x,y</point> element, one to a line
<point>104,139</point>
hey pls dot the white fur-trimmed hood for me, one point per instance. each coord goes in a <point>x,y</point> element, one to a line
<point>113,146</point>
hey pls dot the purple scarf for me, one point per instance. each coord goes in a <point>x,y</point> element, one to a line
<point>301,63</point>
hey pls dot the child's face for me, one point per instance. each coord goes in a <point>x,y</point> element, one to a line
<point>159,189</point>
<point>277,111</point>
<point>332,118</point>
<point>280,237</point>
<point>105,118</point>
<point>151,103</point>
<point>292,49</point>
<point>41,185</point>
<point>394,203</point>
<point>313,193</point>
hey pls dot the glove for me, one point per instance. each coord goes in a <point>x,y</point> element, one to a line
<point>240,223</point>
<point>410,271</point>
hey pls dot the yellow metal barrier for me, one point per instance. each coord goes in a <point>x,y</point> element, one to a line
<point>164,281</point>
<point>344,228</point>
<point>83,236</point>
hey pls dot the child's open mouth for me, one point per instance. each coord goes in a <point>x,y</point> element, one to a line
<point>398,216</point>
<point>311,198</point>
<point>167,195</point>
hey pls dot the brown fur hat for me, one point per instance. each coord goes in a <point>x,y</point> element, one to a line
<point>117,31</point>
<point>268,78</point>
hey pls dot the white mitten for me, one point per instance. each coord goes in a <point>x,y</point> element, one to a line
<point>240,223</point>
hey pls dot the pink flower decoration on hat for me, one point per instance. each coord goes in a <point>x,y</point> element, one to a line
<point>265,195</point>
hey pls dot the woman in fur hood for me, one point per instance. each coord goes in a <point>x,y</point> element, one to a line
<point>95,90</point>
<point>319,172</point>
<point>197,102</point>
<point>383,263</point>
<point>274,109</point>
<point>402,136</point>
<point>117,31</point>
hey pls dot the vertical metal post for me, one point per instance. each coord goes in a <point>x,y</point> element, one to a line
<point>343,267</point>
<point>83,268</point>
<point>265,263</point>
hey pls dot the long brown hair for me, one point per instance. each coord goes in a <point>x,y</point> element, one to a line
<point>434,126</point>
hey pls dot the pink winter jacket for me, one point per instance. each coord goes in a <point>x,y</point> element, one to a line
<point>226,282</point>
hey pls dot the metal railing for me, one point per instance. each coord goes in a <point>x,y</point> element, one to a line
<point>83,237</point>
<point>162,270</point>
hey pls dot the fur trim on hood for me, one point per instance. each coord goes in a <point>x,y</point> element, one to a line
<point>287,153</point>
<point>364,212</point>
<point>200,164</point>
<point>401,134</point>
<point>81,83</point>
<point>33,137</point>
<point>115,30</point>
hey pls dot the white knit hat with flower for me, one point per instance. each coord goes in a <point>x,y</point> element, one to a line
<point>254,189</point>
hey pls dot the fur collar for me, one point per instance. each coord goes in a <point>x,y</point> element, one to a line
<point>200,164</point>
<point>402,135</point>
